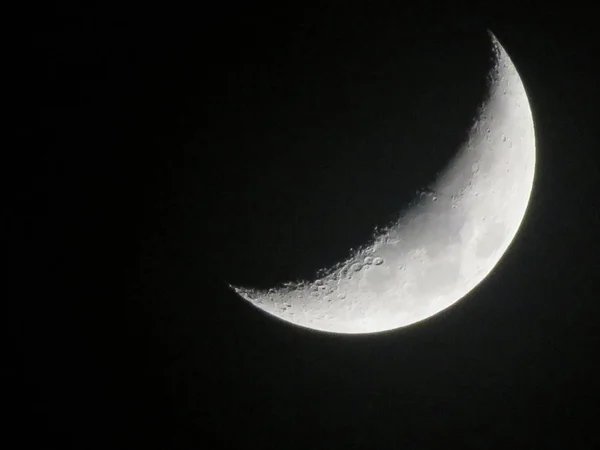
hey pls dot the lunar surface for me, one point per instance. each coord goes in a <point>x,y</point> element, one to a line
<point>443,245</point>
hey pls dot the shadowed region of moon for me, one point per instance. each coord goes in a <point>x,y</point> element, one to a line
<point>441,243</point>
<point>343,150</point>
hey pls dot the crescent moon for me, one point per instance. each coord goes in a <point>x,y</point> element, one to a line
<point>443,245</point>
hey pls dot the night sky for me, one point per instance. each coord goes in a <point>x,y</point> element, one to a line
<point>162,154</point>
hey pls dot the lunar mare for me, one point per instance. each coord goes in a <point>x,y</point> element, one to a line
<point>443,245</point>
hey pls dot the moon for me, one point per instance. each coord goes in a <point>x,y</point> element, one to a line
<point>444,244</point>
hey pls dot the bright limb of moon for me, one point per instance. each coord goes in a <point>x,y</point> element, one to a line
<point>441,247</point>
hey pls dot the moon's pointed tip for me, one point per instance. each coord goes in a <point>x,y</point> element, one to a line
<point>242,291</point>
<point>492,36</point>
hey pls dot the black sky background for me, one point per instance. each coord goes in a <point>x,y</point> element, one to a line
<point>161,153</point>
